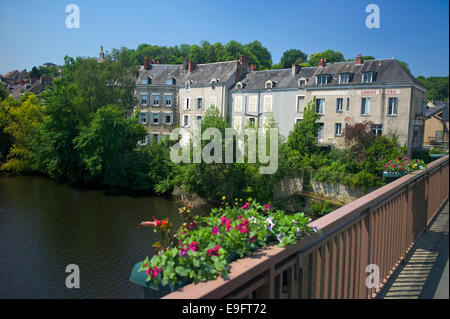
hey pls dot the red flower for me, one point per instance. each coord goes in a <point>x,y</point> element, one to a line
<point>215,230</point>
<point>245,205</point>
<point>193,246</point>
<point>267,206</point>
<point>154,223</point>
<point>227,222</point>
<point>191,225</point>
<point>213,251</point>
<point>252,239</point>
<point>243,227</point>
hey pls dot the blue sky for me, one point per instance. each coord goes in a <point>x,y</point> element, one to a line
<point>33,32</point>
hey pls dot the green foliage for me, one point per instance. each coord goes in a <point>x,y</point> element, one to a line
<point>292,56</point>
<point>437,87</point>
<point>404,65</point>
<point>106,144</point>
<point>303,137</point>
<point>329,55</point>
<point>321,208</point>
<point>3,92</point>
<point>203,250</point>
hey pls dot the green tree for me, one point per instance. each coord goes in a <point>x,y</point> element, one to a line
<point>329,55</point>
<point>3,92</point>
<point>404,65</point>
<point>34,73</point>
<point>292,56</point>
<point>437,87</point>
<point>303,137</point>
<point>106,144</point>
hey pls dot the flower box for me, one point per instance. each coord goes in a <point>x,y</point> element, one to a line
<point>202,250</point>
<point>437,155</point>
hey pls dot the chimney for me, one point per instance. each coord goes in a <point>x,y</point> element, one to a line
<point>252,67</point>
<point>244,63</point>
<point>238,70</point>
<point>191,66</point>
<point>359,59</point>
<point>296,68</point>
<point>320,62</point>
<point>146,63</point>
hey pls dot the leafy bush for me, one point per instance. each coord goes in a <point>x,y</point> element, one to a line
<point>202,250</point>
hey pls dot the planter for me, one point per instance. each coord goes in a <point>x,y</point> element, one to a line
<point>437,155</point>
<point>150,290</point>
<point>392,176</point>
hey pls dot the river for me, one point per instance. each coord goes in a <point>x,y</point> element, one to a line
<point>45,226</point>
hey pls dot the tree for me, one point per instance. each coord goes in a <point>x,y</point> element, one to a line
<point>22,126</point>
<point>437,87</point>
<point>329,55</point>
<point>303,137</point>
<point>292,56</point>
<point>34,73</point>
<point>359,137</point>
<point>3,92</point>
<point>106,144</point>
<point>404,65</point>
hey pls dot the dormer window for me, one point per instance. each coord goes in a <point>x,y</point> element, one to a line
<point>344,78</point>
<point>239,86</point>
<point>301,83</point>
<point>321,79</point>
<point>367,77</point>
<point>213,84</point>
<point>187,85</point>
<point>269,84</point>
<point>146,80</point>
<point>170,81</point>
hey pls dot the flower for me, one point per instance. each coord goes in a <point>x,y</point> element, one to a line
<point>299,232</point>
<point>245,205</point>
<point>153,272</point>
<point>183,251</point>
<point>267,206</point>
<point>154,223</point>
<point>191,225</point>
<point>253,219</point>
<point>226,221</point>
<point>243,226</point>
<point>315,228</point>
<point>252,239</point>
<point>215,230</point>
<point>224,197</point>
<point>271,223</point>
<point>193,246</point>
<point>280,237</point>
<point>213,251</point>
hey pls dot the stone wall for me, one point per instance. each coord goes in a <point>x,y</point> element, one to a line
<point>339,192</point>
<point>288,187</point>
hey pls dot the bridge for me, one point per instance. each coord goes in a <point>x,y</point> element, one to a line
<point>378,229</point>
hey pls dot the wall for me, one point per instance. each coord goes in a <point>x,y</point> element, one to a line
<point>339,192</point>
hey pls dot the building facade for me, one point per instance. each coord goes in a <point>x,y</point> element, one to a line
<point>379,91</point>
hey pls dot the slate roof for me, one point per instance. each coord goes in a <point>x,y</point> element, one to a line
<point>283,78</point>
<point>201,75</point>
<point>439,107</point>
<point>387,71</point>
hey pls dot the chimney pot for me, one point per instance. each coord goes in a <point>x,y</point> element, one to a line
<point>244,63</point>
<point>146,63</point>
<point>191,66</point>
<point>252,67</point>
<point>320,62</point>
<point>359,59</point>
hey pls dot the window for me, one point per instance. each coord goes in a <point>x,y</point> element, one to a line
<point>213,101</point>
<point>344,78</point>
<point>300,103</point>
<point>321,79</point>
<point>143,99</point>
<point>155,117</point>
<point>238,103</point>
<point>377,129</point>
<point>186,121</point>
<point>237,123</point>
<point>320,106</point>
<point>199,103</point>
<point>187,85</point>
<point>144,81</point>
<point>144,141</point>
<point>393,106</point>
<point>339,103</point>
<point>320,131</point>
<point>167,118</point>
<point>301,83</point>
<point>169,81</point>
<point>252,104</point>
<point>168,100</point>
<point>338,129</point>
<point>298,120</point>
<point>438,136</point>
<point>348,104</point>
<point>155,99</point>
<point>187,103</point>
<point>198,118</point>
<point>365,106</point>
<point>367,77</point>
<point>267,103</point>
<point>213,85</point>
<point>143,117</point>
<point>252,122</point>
<point>268,84</point>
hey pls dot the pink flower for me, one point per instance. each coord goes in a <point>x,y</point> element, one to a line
<point>243,227</point>
<point>153,272</point>
<point>193,246</point>
<point>215,230</point>
<point>213,251</point>
<point>191,225</point>
<point>227,222</point>
<point>252,239</point>
<point>267,206</point>
<point>245,205</point>
<point>183,251</point>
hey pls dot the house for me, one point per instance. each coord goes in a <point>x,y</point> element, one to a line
<point>436,124</point>
<point>379,91</point>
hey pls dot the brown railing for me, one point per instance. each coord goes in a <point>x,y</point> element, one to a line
<point>379,228</point>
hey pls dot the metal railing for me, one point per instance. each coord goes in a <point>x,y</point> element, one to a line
<point>378,228</point>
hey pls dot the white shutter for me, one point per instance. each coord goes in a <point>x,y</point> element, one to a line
<point>267,103</point>
<point>238,103</point>
<point>237,121</point>
<point>252,104</point>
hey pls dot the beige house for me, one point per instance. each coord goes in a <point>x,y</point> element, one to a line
<point>436,124</point>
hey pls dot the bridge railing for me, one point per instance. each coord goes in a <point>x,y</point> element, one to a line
<point>378,228</point>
